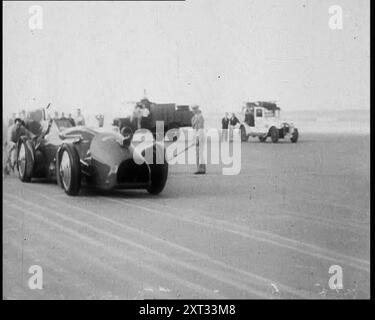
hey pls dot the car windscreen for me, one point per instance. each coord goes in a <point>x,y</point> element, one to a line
<point>63,123</point>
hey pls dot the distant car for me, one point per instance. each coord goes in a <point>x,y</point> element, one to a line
<point>264,121</point>
<point>74,154</point>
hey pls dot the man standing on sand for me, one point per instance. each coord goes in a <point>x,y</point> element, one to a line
<point>100,119</point>
<point>233,121</point>
<point>197,123</point>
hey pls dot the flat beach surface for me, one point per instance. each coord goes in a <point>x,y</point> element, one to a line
<point>273,231</point>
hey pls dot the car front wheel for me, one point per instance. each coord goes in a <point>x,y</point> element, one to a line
<point>68,170</point>
<point>159,172</point>
<point>25,160</point>
<point>274,133</point>
<point>294,137</point>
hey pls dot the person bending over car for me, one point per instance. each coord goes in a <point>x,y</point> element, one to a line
<point>15,132</point>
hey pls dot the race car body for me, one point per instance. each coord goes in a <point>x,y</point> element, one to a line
<point>74,154</point>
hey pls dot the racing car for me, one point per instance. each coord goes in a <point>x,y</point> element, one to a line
<point>103,159</point>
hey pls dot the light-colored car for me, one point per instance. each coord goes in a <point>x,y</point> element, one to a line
<point>262,119</point>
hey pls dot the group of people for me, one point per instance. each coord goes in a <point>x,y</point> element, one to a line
<point>79,120</point>
<point>228,123</point>
<point>22,124</point>
<point>26,124</point>
<point>17,129</point>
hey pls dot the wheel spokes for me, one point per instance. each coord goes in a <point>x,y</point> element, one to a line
<point>22,160</point>
<point>65,170</point>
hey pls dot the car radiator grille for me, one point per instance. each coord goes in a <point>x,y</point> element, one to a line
<point>130,172</point>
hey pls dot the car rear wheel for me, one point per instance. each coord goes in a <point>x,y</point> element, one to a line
<point>25,160</point>
<point>294,137</point>
<point>274,133</point>
<point>68,170</point>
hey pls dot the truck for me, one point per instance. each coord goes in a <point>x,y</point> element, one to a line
<point>262,119</point>
<point>172,115</point>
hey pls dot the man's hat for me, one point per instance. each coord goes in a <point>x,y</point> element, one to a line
<point>195,107</point>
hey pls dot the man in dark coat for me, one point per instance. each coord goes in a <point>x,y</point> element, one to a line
<point>225,127</point>
<point>232,124</point>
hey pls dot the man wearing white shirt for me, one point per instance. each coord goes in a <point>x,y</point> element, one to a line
<point>197,123</point>
<point>80,120</point>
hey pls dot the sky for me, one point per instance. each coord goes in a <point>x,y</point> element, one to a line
<point>100,56</point>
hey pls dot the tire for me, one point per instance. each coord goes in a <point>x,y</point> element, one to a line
<point>274,133</point>
<point>25,159</point>
<point>159,173</point>
<point>68,170</point>
<point>262,138</point>
<point>294,137</point>
<point>244,136</point>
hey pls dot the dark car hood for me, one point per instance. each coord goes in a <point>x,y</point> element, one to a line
<point>106,148</point>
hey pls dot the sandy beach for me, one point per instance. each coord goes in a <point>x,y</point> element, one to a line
<point>273,231</point>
